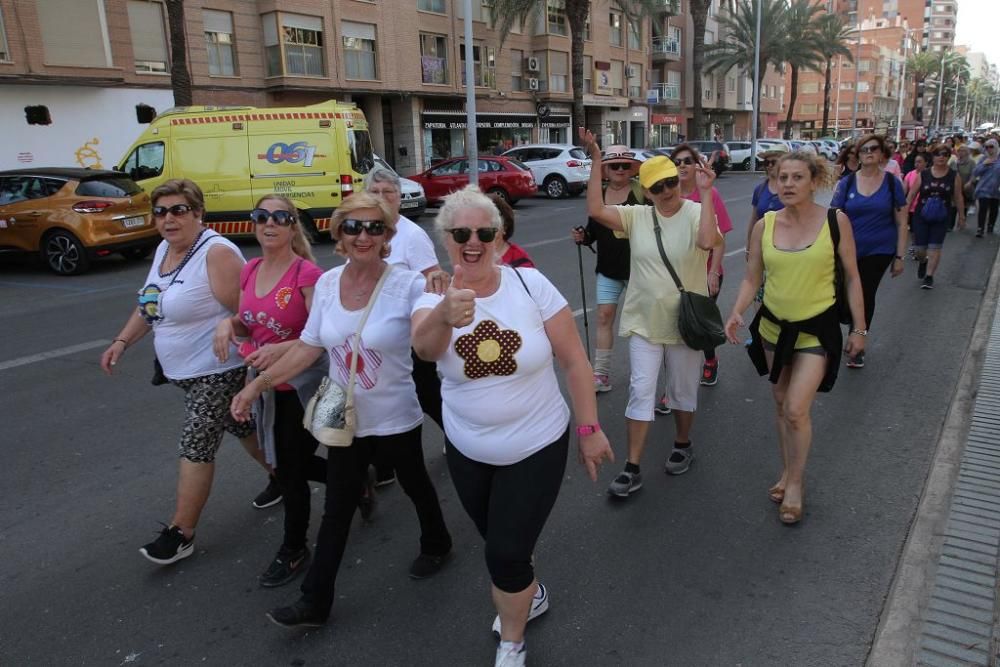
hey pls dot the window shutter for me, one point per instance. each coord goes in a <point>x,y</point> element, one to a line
<point>216,21</point>
<point>301,21</point>
<point>357,30</point>
<point>149,39</point>
<point>73,33</point>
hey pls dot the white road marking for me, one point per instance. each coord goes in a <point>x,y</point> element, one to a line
<point>579,311</point>
<point>52,354</point>
<point>735,252</point>
<point>534,244</point>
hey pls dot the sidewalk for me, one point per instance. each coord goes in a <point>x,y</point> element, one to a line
<point>943,608</point>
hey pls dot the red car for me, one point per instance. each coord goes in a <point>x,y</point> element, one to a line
<point>503,176</point>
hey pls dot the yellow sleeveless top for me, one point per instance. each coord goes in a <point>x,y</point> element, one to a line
<point>799,283</point>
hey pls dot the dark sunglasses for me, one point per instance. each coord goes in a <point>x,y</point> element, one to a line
<point>463,234</point>
<point>657,188</point>
<point>176,210</point>
<point>869,149</point>
<point>685,161</point>
<point>942,154</point>
<point>770,162</point>
<point>281,217</point>
<point>353,227</point>
<point>619,166</point>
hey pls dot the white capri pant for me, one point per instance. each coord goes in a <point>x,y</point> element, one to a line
<point>683,377</point>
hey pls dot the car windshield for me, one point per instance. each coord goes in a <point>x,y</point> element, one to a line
<point>517,163</point>
<point>108,187</point>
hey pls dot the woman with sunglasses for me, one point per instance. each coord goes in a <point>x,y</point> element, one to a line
<point>494,334</point>
<point>796,335</point>
<point>193,282</point>
<point>848,161</point>
<point>612,266</point>
<point>275,299</point>
<point>688,232</point>
<point>686,158</point>
<point>388,413</point>
<point>940,190</point>
<point>987,180</point>
<point>875,203</point>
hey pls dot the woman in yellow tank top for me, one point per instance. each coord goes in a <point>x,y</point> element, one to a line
<point>796,334</point>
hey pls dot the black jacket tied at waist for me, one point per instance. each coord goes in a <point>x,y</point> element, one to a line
<point>825,326</point>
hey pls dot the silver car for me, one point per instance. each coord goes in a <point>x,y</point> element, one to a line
<point>413,202</point>
<point>560,170</point>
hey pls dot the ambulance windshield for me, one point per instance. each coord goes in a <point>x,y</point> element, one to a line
<point>362,158</point>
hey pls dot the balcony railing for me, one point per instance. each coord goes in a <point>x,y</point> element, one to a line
<point>666,46</point>
<point>669,92</point>
<point>672,7</point>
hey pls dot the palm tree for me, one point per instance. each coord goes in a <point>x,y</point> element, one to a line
<point>736,50</point>
<point>507,13</point>
<point>956,72</point>
<point>832,33</point>
<point>921,65</point>
<point>180,77</point>
<point>699,17</point>
<point>798,49</point>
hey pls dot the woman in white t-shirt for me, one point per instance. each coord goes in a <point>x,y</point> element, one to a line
<point>494,333</point>
<point>688,231</point>
<point>411,249</point>
<point>388,414</point>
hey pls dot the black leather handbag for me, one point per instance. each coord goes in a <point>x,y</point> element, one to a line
<point>699,319</point>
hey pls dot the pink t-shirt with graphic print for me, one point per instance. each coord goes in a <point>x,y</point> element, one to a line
<point>280,314</point>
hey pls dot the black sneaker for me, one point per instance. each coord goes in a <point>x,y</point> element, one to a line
<point>285,567</point>
<point>170,547</point>
<point>270,496</point>
<point>928,283</point>
<point>857,361</point>
<point>299,615</point>
<point>921,270</point>
<point>426,565</point>
<point>979,234</point>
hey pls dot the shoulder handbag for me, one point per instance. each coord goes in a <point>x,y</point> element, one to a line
<point>839,286</point>
<point>699,319</point>
<point>329,414</point>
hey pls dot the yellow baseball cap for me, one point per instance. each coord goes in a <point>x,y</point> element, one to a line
<point>655,170</point>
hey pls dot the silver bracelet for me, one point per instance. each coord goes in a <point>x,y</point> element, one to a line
<point>860,332</point>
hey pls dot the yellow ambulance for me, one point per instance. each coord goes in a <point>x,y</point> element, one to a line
<point>315,155</point>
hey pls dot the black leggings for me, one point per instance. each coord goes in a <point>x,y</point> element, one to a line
<point>428,384</point>
<point>509,505</point>
<point>347,472</point>
<point>710,354</point>
<point>983,205</point>
<point>871,268</point>
<point>297,463</point>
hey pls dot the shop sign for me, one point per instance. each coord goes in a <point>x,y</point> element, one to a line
<point>480,124</point>
<point>665,119</point>
<point>602,78</point>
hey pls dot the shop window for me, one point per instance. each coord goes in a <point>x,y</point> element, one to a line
<point>555,11</point>
<point>558,72</point>
<point>4,49</point>
<point>434,58</point>
<point>74,32</point>
<point>516,75</point>
<point>147,24</point>
<point>360,54</point>
<point>293,44</point>
<point>615,25</point>
<point>437,6</point>
<point>219,42</point>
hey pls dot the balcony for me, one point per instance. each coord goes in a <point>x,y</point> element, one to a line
<point>669,93</point>
<point>668,7</point>
<point>666,48</point>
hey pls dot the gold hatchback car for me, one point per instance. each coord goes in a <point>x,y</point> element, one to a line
<point>71,216</point>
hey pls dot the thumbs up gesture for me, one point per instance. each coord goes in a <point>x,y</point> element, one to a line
<point>459,303</point>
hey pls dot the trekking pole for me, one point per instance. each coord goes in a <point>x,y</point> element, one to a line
<point>583,293</point>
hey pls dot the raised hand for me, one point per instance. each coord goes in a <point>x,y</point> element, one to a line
<point>704,177</point>
<point>589,142</point>
<point>459,303</point>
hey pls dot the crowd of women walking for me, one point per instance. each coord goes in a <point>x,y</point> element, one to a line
<point>263,349</point>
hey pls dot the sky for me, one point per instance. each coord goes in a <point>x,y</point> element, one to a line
<point>977,27</point>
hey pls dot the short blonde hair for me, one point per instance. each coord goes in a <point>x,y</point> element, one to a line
<point>469,197</point>
<point>357,202</point>
<point>300,242</point>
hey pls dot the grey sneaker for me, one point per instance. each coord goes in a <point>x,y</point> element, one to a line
<point>539,605</point>
<point>679,461</point>
<point>625,483</point>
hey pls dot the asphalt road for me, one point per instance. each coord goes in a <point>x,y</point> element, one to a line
<point>692,570</point>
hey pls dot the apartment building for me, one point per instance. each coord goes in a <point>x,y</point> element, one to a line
<point>93,63</point>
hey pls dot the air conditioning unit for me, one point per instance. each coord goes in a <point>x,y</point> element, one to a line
<point>533,84</point>
<point>632,71</point>
<point>533,65</point>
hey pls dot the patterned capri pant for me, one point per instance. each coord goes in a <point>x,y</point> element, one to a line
<point>206,403</point>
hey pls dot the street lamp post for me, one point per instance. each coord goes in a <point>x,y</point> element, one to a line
<point>857,78</point>
<point>902,81</point>
<point>756,90</point>
<point>937,112</point>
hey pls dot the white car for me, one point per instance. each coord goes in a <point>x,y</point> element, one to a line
<point>560,170</point>
<point>739,152</point>
<point>827,148</point>
<point>413,202</point>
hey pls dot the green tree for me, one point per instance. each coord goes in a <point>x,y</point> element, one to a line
<point>180,77</point>
<point>921,66</point>
<point>736,50</point>
<point>832,36</point>
<point>798,49</point>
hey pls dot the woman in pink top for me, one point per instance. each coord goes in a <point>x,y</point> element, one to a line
<point>276,295</point>
<point>912,179</point>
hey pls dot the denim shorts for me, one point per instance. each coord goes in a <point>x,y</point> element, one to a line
<point>928,234</point>
<point>609,290</point>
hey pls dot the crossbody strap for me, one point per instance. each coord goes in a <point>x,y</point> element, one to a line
<point>357,333</point>
<point>663,253</point>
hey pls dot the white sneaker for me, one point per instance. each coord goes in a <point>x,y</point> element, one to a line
<point>511,654</point>
<point>602,383</point>
<point>539,605</point>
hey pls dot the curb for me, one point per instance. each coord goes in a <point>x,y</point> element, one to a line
<point>897,637</point>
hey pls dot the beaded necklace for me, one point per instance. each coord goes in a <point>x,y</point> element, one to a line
<point>184,260</point>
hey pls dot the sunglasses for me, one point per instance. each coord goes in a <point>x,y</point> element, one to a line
<point>873,148</point>
<point>176,210</point>
<point>657,188</point>
<point>463,234</point>
<point>353,227</point>
<point>628,155</point>
<point>770,162</point>
<point>281,217</point>
<point>942,154</point>
<point>619,166</point>
<point>688,161</point>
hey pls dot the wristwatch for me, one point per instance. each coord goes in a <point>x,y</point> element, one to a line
<point>587,429</point>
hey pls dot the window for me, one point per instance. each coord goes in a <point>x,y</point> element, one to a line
<point>709,37</point>
<point>477,10</point>
<point>731,84</point>
<point>588,74</point>
<point>433,58</point>
<point>864,65</point>
<point>74,32</point>
<point>219,42</point>
<point>431,6</point>
<point>635,80</point>
<point>863,87</point>
<point>146,161</point>
<point>149,37</point>
<point>543,68</point>
<point>558,72</point>
<point>615,23</point>
<point>807,108</point>
<point>555,11</point>
<point>586,28</point>
<point>634,37</point>
<point>295,50</point>
<point>617,77</point>
<point>360,55</point>
<point>809,87</point>
<point>483,73</point>
<point>847,85</point>
<point>4,50</point>
<point>516,63</point>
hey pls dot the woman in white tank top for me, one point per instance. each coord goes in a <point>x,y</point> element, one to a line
<point>192,284</point>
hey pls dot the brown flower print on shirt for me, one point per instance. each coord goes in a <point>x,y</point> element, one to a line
<point>488,350</point>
